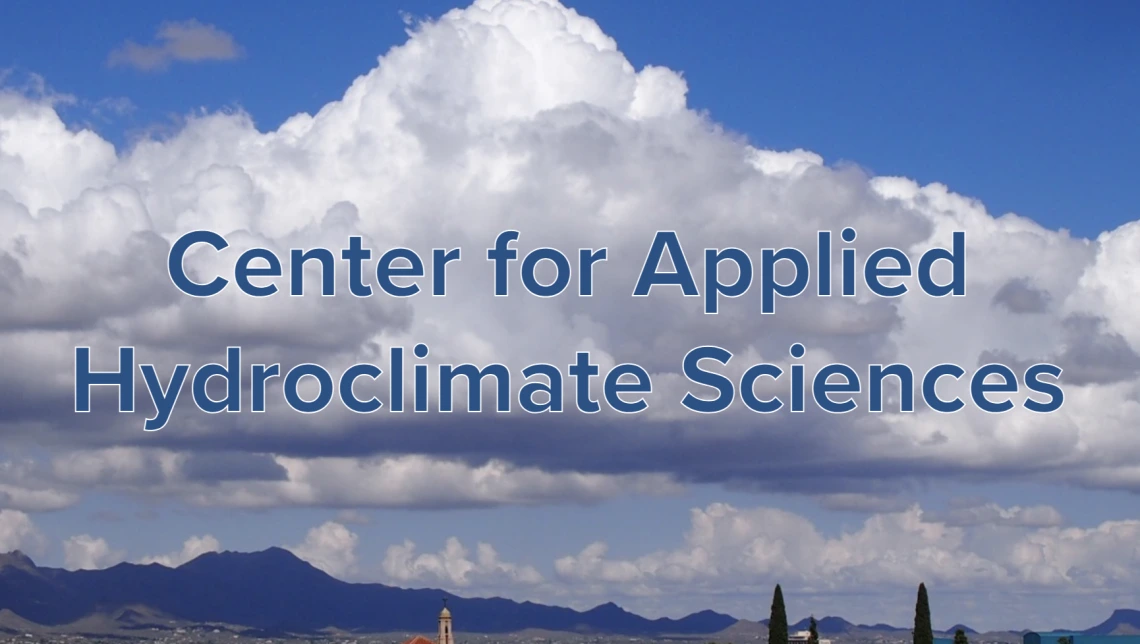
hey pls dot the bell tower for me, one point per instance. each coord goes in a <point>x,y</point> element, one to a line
<point>445,635</point>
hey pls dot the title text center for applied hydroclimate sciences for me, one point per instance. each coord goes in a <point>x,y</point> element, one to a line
<point>833,388</point>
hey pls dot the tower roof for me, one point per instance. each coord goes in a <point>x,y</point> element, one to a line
<point>445,613</point>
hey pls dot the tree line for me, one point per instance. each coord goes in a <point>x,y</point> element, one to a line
<point>923,632</point>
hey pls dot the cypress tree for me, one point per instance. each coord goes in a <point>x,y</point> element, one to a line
<point>923,631</point>
<point>813,631</point>
<point>960,637</point>
<point>778,623</point>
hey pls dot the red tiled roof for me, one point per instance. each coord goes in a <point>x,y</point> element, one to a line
<point>419,639</point>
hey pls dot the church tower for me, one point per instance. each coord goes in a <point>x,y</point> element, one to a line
<point>445,635</point>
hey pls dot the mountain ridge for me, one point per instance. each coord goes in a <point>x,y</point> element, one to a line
<point>1123,621</point>
<point>273,591</point>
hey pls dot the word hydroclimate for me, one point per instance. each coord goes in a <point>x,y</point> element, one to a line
<point>624,387</point>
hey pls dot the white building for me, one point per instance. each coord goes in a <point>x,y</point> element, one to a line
<point>803,637</point>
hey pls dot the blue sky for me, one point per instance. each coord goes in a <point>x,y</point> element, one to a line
<point>1030,109</point>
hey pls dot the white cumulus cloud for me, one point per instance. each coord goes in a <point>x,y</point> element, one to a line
<point>735,547</point>
<point>455,567</point>
<point>518,114</point>
<point>85,552</point>
<point>331,547</point>
<point>19,532</point>
<point>191,549</point>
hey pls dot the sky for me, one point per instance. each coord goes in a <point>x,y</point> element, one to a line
<point>582,125</point>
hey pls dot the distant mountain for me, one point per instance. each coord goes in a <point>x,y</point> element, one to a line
<point>274,591</point>
<point>840,626</point>
<point>882,627</point>
<point>18,561</point>
<point>1122,622</point>
<point>825,626</point>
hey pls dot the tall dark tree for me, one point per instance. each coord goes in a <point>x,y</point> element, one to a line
<point>778,622</point>
<point>923,631</point>
<point>960,637</point>
<point>813,631</point>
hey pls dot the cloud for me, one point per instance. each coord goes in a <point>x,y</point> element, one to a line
<point>35,500</point>
<point>19,532</point>
<point>85,552</point>
<point>108,516</point>
<point>116,465</point>
<point>187,41</point>
<point>454,567</point>
<point>1090,352</point>
<point>232,467</point>
<point>353,517</point>
<point>856,502</point>
<point>408,481</point>
<point>417,481</point>
<point>1019,295</point>
<point>24,485</point>
<point>331,547</point>
<point>191,549</point>
<point>526,115</point>
<point>994,514</point>
<point>979,572</point>
<point>79,112</point>
<point>729,546</point>
<point>733,552</point>
<point>107,108</point>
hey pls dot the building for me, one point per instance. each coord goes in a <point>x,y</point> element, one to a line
<point>444,635</point>
<point>803,637</point>
<point>1059,637</point>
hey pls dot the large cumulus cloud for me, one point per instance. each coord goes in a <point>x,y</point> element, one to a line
<point>521,115</point>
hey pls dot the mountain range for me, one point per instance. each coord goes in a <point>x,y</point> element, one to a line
<point>273,591</point>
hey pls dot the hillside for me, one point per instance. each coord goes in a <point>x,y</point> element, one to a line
<point>275,591</point>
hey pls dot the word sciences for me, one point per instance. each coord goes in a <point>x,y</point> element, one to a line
<point>540,388</point>
<point>624,387</point>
